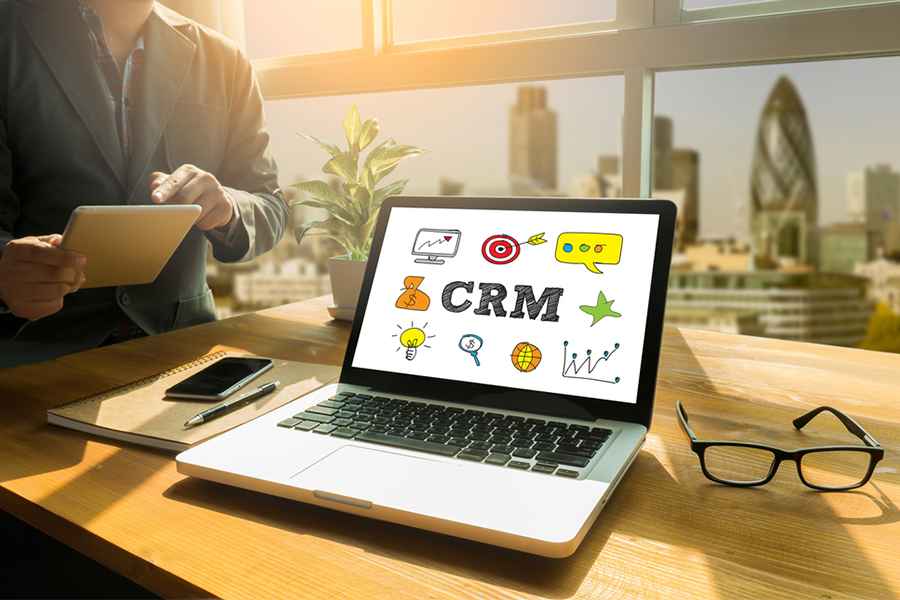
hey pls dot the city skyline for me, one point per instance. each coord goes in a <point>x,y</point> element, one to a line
<point>475,119</point>
<point>711,122</point>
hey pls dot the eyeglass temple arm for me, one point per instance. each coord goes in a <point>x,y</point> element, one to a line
<point>683,421</point>
<point>851,425</point>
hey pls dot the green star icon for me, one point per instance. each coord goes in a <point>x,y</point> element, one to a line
<point>602,309</point>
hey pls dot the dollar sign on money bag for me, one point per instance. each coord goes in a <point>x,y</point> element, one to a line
<point>412,297</point>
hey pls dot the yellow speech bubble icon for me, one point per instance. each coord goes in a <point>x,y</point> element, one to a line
<point>589,249</point>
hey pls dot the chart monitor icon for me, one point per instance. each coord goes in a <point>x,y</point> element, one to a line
<point>432,246</point>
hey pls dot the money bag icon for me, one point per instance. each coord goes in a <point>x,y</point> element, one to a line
<point>412,297</point>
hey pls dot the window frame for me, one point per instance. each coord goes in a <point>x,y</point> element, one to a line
<point>758,8</point>
<point>645,38</point>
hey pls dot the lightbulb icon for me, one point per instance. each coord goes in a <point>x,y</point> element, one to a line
<point>412,338</point>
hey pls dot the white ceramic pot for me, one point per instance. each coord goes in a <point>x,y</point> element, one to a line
<point>346,281</point>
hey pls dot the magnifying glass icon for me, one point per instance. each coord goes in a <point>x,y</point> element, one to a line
<point>471,344</point>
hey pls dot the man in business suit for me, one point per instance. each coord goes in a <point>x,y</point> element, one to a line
<point>121,102</point>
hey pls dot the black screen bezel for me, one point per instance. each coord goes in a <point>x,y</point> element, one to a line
<point>560,405</point>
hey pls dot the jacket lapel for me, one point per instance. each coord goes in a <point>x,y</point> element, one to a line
<point>168,56</point>
<point>64,44</point>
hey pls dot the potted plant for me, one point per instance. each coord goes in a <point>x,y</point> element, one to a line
<point>352,202</point>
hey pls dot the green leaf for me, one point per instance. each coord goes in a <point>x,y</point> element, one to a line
<point>343,165</point>
<point>316,188</point>
<point>301,230</point>
<point>326,198</point>
<point>330,148</point>
<point>388,157</point>
<point>352,127</point>
<point>368,179</point>
<point>370,130</point>
<point>335,210</point>
<point>391,189</point>
<point>362,200</point>
<point>374,155</point>
<point>381,175</point>
<point>359,254</point>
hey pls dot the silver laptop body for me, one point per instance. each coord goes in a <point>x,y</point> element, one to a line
<point>498,380</point>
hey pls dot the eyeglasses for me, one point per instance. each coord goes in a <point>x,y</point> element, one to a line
<point>827,468</point>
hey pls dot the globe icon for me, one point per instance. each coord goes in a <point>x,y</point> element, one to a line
<point>526,357</point>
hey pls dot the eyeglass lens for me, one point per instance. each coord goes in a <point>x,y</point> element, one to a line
<point>738,464</point>
<point>835,468</point>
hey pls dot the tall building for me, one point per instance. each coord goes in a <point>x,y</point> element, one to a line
<point>873,198</point>
<point>532,140</point>
<point>783,190</point>
<point>663,137</point>
<point>676,172</point>
<point>686,176</point>
<point>607,165</point>
<point>450,187</point>
<point>609,178</point>
<point>842,246</point>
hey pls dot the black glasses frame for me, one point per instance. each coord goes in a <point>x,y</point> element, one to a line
<point>871,447</point>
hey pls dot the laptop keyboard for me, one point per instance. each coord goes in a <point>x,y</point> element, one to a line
<point>550,447</point>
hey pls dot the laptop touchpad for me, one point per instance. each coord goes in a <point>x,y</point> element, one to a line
<point>457,490</point>
<point>361,473</point>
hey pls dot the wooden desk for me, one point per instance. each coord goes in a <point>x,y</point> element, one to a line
<point>666,533</point>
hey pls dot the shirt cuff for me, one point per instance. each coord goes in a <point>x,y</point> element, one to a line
<point>226,232</point>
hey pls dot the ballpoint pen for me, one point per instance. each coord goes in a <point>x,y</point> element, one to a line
<point>220,409</point>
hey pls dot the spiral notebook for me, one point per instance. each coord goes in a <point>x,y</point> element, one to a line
<point>141,414</point>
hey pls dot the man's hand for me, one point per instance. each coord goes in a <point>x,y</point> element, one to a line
<point>35,275</point>
<point>190,185</point>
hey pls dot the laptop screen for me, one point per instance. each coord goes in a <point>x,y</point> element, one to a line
<point>549,301</point>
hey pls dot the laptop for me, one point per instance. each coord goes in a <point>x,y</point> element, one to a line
<point>498,380</point>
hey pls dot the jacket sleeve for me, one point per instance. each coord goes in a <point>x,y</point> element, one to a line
<point>9,202</point>
<point>249,176</point>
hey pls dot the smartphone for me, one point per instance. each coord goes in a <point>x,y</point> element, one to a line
<point>220,379</point>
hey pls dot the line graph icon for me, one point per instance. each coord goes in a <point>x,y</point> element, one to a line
<point>432,246</point>
<point>583,368</point>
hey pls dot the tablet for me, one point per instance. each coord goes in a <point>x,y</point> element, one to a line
<point>127,245</point>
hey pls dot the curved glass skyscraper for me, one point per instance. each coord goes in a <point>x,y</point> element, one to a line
<point>783,190</point>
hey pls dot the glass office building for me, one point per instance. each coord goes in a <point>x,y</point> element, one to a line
<point>811,307</point>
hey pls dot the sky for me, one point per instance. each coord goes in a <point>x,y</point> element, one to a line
<point>852,106</point>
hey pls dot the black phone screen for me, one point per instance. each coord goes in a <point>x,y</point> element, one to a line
<point>219,376</point>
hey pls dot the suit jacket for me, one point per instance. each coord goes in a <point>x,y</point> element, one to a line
<point>198,103</point>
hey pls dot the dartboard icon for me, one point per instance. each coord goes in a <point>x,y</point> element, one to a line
<point>500,249</point>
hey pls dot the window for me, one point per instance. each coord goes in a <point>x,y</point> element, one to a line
<point>695,4</point>
<point>716,9</point>
<point>278,27</point>
<point>412,21</point>
<point>672,107</point>
<point>791,157</point>
<point>465,132</point>
<point>850,112</point>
